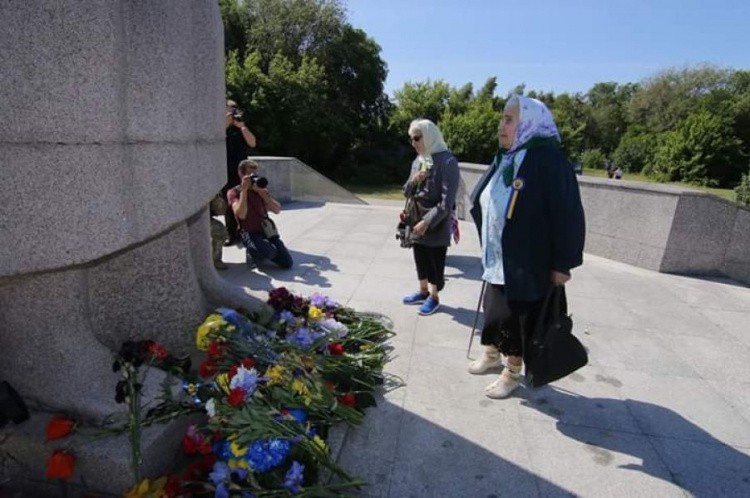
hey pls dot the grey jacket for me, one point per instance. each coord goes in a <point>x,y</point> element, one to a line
<point>437,196</point>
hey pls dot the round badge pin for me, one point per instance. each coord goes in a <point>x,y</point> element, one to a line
<point>518,184</point>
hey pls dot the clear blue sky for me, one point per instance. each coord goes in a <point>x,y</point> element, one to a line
<point>549,44</point>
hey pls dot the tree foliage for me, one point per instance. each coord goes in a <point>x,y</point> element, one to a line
<point>593,159</point>
<point>311,85</point>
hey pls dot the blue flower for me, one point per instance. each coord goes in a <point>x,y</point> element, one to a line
<point>318,300</point>
<point>301,338</point>
<point>220,473</point>
<point>286,316</point>
<point>241,473</point>
<point>233,318</point>
<point>299,415</point>
<point>263,455</point>
<point>245,379</point>
<point>293,477</point>
<point>331,325</point>
<point>223,450</point>
<point>221,491</point>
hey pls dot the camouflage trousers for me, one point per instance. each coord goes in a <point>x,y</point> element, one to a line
<point>218,236</point>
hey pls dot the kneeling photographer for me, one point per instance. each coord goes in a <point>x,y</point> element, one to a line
<point>251,202</point>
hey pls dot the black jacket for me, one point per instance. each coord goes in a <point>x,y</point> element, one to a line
<point>547,230</point>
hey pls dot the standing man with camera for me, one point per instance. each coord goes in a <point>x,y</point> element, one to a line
<point>239,141</point>
<point>250,202</point>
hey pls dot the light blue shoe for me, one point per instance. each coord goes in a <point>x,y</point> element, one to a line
<point>416,298</point>
<point>429,307</point>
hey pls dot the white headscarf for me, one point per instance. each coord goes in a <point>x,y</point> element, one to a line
<point>432,138</point>
<point>534,121</point>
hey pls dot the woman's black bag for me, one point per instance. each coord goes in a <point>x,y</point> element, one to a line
<point>552,351</point>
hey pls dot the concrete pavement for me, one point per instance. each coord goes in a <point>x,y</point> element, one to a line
<point>663,408</point>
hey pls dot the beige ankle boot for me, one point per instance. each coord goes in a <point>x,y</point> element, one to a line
<point>508,381</point>
<point>490,359</point>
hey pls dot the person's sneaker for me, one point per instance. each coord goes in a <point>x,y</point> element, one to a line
<point>220,265</point>
<point>250,262</point>
<point>416,298</point>
<point>429,307</point>
<point>491,359</point>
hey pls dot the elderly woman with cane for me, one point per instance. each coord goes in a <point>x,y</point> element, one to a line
<point>528,211</point>
<point>433,183</point>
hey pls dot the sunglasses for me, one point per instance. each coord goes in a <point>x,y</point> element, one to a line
<point>415,139</point>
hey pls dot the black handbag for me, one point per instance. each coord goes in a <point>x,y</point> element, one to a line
<point>552,351</point>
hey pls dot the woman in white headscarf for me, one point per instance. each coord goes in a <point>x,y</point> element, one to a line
<point>528,211</point>
<point>433,183</point>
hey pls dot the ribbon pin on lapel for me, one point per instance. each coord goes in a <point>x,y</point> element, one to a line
<point>517,185</point>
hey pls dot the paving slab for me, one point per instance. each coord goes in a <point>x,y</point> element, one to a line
<point>662,409</point>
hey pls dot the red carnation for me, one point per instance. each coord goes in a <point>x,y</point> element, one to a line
<point>214,349</point>
<point>156,351</point>
<point>236,397</point>
<point>348,399</point>
<point>249,363</point>
<point>336,349</point>
<point>206,368</point>
<point>59,427</point>
<point>232,371</point>
<point>61,465</point>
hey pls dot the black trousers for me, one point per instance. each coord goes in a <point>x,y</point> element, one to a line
<point>506,324</point>
<point>430,263</point>
<point>233,231</point>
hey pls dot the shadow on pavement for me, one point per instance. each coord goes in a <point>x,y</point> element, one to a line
<point>688,456</point>
<point>402,454</point>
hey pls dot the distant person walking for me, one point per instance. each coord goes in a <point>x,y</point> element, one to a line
<point>239,141</point>
<point>528,211</point>
<point>433,183</point>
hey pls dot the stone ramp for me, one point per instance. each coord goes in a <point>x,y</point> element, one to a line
<point>663,409</point>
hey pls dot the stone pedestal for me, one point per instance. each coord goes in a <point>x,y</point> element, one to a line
<point>112,145</point>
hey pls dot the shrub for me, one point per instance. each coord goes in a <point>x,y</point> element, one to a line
<point>742,191</point>
<point>634,152</point>
<point>593,159</point>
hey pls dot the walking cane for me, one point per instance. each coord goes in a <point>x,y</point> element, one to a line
<point>476,318</point>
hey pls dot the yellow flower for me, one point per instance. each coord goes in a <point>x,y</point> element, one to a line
<point>237,450</point>
<point>222,380</point>
<point>308,362</point>
<point>275,374</point>
<point>238,464</point>
<point>212,323</point>
<point>314,313</point>
<point>300,388</point>
<point>191,389</point>
<point>365,347</point>
<point>307,400</point>
<point>317,441</point>
<point>148,489</point>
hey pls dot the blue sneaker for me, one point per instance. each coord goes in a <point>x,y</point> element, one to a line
<point>416,298</point>
<point>429,307</point>
<point>250,262</point>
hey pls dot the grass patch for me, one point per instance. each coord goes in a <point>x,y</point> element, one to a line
<point>724,193</point>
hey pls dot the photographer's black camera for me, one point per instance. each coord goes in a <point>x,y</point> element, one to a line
<point>260,181</point>
<point>236,115</point>
<point>404,235</point>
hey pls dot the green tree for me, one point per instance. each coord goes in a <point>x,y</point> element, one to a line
<point>420,100</point>
<point>702,150</point>
<point>593,159</point>
<point>635,151</point>
<point>472,135</point>
<point>573,118</point>
<point>608,103</point>
<point>667,98</point>
<point>310,83</point>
